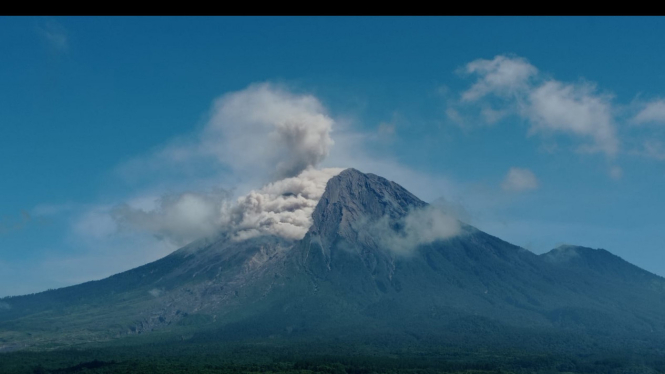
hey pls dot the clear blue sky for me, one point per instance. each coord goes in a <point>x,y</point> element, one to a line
<point>578,117</point>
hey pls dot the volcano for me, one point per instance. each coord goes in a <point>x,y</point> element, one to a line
<point>366,267</point>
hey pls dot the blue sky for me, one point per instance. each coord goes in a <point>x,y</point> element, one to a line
<point>541,131</point>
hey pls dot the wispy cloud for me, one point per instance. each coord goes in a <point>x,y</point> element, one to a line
<point>574,109</point>
<point>519,180</point>
<point>54,34</point>
<point>616,172</point>
<point>178,218</point>
<point>418,227</point>
<point>550,106</point>
<point>654,149</point>
<point>95,223</point>
<point>651,112</point>
<point>504,76</point>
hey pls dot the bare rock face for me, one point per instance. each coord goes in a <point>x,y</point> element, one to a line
<point>353,198</point>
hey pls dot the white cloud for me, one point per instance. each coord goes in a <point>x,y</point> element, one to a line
<point>576,110</point>
<point>270,129</point>
<point>652,112</point>
<point>550,106</point>
<point>179,218</point>
<point>418,227</point>
<point>519,180</point>
<point>259,134</point>
<point>502,76</point>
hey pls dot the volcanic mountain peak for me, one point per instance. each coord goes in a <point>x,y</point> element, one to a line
<point>579,255</point>
<point>353,197</point>
<point>600,262</point>
<point>376,259</point>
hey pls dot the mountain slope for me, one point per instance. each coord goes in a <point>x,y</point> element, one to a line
<point>377,260</point>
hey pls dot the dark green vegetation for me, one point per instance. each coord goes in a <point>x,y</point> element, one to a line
<point>352,357</point>
<point>358,294</point>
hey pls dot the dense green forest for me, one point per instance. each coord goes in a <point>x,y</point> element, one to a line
<point>475,347</point>
<point>308,357</point>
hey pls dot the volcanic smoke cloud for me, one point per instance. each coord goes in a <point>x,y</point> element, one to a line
<point>281,208</point>
<point>269,130</point>
<point>263,130</point>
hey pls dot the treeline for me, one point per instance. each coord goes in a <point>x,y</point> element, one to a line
<point>212,358</point>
